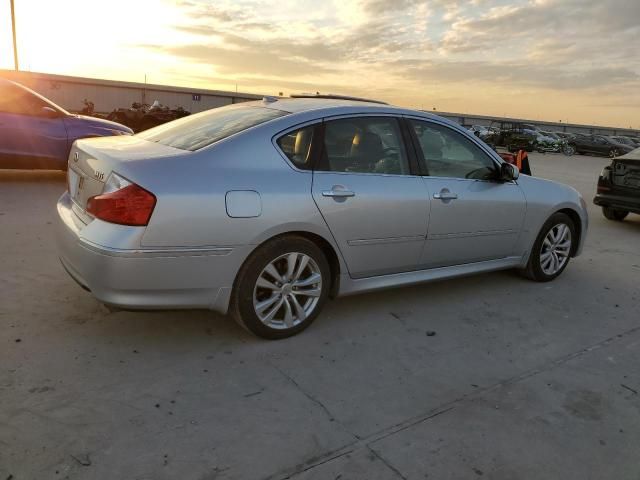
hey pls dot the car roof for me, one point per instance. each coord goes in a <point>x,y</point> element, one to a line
<point>322,107</point>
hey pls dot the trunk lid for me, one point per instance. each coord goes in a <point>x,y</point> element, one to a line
<point>92,160</point>
<point>625,172</point>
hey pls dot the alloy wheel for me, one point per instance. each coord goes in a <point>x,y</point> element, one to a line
<point>287,290</point>
<point>555,249</point>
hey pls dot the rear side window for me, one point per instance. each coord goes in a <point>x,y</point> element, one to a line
<point>296,146</point>
<point>202,129</point>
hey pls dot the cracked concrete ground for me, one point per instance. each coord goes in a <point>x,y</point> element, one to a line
<point>521,381</point>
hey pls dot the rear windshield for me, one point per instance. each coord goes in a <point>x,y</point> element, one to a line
<point>202,129</point>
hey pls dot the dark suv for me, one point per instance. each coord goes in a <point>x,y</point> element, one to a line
<point>598,145</point>
<point>618,190</point>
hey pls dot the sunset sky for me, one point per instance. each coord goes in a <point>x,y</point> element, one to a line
<point>569,60</point>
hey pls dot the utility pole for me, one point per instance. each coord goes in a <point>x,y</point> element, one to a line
<point>15,45</point>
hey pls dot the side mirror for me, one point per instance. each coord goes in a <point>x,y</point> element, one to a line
<point>509,172</point>
<point>49,112</point>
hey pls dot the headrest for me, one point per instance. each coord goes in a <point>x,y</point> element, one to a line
<point>367,144</point>
<point>302,144</point>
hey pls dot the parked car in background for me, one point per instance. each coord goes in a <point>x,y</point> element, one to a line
<point>264,209</point>
<point>551,142</point>
<point>512,136</point>
<point>480,131</point>
<point>598,145</point>
<point>564,135</point>
<point>37,133</point>
<point>630,142</point>
<point>618,191</point>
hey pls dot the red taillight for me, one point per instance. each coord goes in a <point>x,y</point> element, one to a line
<point>131,205</point>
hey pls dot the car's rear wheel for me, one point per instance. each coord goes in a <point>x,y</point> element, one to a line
<point>281,288</point>
<point>552,249</point>
<point>613,153</point>
<point>614,214</point>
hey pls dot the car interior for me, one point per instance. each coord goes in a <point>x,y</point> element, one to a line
<point>364,146</point>
<point>447,155</point>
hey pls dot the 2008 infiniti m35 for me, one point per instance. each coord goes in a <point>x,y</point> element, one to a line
<point>265,209</point>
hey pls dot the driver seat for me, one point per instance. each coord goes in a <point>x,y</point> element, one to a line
<point>366,151</point>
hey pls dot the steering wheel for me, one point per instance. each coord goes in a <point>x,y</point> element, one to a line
<point>472,173</point>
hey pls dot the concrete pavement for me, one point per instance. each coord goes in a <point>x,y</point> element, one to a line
<point>521,380</point>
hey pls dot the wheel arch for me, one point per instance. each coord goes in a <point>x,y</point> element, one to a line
<point>577,222</point>
<point>327,247</point>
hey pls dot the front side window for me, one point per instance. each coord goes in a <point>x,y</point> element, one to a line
<point>448,153</point>
<point>296,145</point>
<point>202,129</point>
<point>364,145</point>
<point>14,99</point>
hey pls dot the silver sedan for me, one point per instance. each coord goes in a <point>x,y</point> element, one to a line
<point>266,209</point>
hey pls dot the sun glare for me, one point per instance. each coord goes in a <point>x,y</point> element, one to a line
<point>73,37</point>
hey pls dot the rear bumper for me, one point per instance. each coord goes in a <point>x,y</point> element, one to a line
<point>125,275</point>
<point>622,202</point>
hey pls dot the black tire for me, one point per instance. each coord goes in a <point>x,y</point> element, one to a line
<point>242,308</point>
<point>614,214</point>
<point>568,150</point>
<point>613,153</point>
<point>534,269</point>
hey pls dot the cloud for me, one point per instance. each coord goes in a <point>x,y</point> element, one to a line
<point>520,74</point>
<point>258,60</point>
<point>414,48</point>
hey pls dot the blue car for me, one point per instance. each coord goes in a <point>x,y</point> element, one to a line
<point>37,133</point>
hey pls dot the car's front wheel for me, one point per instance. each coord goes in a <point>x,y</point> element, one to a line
<point>281,288</point>
<point>552,249</point>
<point>614,214</point>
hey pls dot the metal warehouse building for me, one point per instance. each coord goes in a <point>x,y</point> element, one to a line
<point>107,95</point>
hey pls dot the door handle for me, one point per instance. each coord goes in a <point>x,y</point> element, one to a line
<point>445,195</point>
<point>338,193</point>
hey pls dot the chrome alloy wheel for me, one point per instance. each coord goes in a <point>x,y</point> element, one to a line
<point>287,290</point>
<point>556,249</point>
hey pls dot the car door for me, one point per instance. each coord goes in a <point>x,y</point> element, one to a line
<point>367,192</point>
<point>596,145</point>
<point>473,216</point>
<point>601,145</point>
<point>32,133</point>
